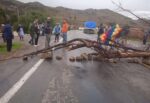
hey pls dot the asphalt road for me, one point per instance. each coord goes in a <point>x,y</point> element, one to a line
<point>86,82</point>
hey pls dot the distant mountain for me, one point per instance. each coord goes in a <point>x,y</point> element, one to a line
<point>7,3</point>
<point>74,16</point>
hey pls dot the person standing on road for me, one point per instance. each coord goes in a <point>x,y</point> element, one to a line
<point>36,32</point>
<point>57,31</point>
<point>31,29</point>
<point>8,34</point>
<point>146,36</point>
<point>20,31</point>
<point>48,32</point>
<point>42,29</point>
<point>100,32</point>
<point>124,34</point>
<point>64,31</point>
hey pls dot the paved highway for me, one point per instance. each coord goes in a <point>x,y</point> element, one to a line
<point>43,81</point>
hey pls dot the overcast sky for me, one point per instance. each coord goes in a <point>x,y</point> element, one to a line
<point>141,7</point>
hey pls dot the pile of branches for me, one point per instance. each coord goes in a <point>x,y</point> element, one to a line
<point>101,51</point>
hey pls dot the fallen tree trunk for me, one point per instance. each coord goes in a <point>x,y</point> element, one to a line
<point>100,51</point>
<point>129,54</point>
<point>117,55</point>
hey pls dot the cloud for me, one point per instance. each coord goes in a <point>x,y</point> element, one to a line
<point>96,4</point>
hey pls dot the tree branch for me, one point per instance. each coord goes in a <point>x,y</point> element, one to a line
<point>121,7</point>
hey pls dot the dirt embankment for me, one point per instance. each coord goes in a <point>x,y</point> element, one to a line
<point>136,33</point>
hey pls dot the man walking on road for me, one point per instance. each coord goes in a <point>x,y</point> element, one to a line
<point>48,32</point>
<point>64,31</point>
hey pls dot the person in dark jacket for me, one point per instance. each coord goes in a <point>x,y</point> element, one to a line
<point>48,32</point>
<point>8,34</point>
<point>146,36</point>
<point>100,32</point>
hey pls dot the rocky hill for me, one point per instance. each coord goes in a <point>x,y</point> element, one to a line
<point>74,16</point>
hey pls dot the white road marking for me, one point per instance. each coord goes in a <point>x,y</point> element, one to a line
<point>12,91</point>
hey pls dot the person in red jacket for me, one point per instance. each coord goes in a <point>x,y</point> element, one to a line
<point>64,31</point>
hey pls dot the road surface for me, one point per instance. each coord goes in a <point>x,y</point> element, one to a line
<point>65,82</point>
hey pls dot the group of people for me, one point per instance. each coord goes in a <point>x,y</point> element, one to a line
<point>48,30</point>
<point>110,29</point>
<point>122,35</point>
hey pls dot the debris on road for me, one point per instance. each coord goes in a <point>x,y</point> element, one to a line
<point>47,55</point>
<point>102,52</point>
<point>25,58</point>
<point>58,58</point>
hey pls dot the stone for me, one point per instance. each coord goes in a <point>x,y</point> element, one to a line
<point>48,55</point>
<point>58,57</point>
<point>25,58</point>
<point>72,59</point>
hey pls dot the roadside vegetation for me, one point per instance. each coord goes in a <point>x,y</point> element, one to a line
<point>16,46</point>
<point>25,17</point>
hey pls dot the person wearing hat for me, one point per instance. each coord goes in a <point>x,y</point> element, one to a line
<point>48,32</point>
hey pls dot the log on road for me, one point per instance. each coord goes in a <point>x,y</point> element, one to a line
<point>99,48</point>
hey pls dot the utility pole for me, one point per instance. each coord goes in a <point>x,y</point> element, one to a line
<point>17,14</point>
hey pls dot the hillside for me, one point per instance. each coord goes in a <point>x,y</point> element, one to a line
<point>74,16</point>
